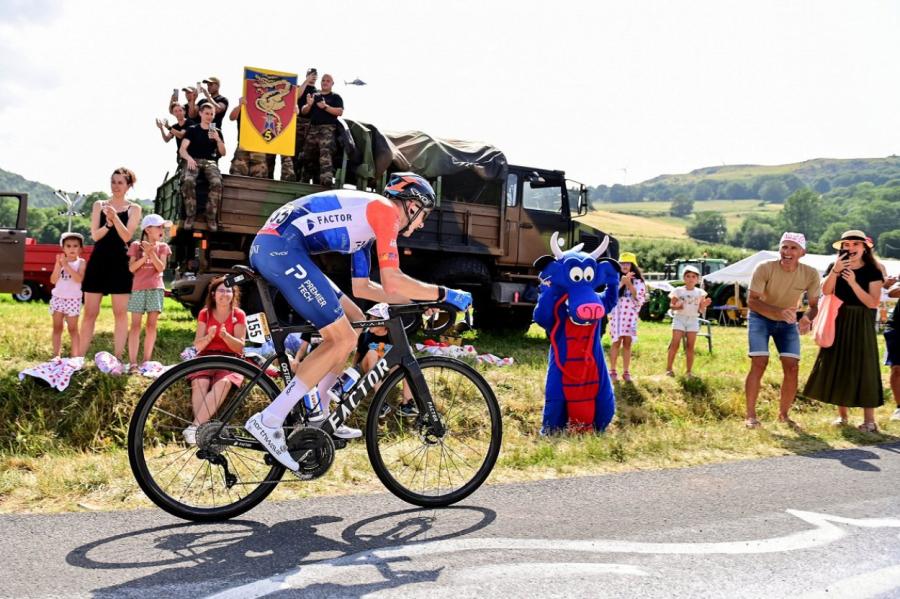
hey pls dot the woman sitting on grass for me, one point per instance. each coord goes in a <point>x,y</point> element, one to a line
<point>221,330</point>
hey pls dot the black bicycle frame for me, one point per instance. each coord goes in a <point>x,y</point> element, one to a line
<point>400,354</point>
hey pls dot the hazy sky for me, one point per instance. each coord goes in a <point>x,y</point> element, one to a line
<point>592,88</point>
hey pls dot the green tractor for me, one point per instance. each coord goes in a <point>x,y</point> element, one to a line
<point>657,304</point>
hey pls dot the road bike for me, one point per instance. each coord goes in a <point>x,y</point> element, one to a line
<point>431,459</point>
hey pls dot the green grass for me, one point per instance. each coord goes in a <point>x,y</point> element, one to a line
<point>65,451</point>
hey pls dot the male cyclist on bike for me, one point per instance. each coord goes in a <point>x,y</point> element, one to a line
<point>346,222</point>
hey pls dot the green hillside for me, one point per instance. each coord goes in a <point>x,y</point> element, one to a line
<point>772,183</point>
<point>39,194</point>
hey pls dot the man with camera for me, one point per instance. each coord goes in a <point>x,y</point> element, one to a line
<point>200,150</point>
<point>304,89</point>
<point>323,109</point>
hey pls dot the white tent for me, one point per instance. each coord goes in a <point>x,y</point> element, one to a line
<point>741,271</point>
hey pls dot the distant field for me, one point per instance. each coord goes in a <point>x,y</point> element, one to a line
<point>652,220</point>
<point>628,225</point>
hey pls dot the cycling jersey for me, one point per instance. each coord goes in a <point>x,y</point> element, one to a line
<point>341,221</point>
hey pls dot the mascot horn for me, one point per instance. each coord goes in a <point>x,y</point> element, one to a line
<point>578,395</point>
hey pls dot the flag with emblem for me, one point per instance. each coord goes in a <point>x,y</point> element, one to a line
<point>268,117</point>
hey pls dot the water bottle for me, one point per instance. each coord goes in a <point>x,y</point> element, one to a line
<point>313,404</point>
<point>344,383</point>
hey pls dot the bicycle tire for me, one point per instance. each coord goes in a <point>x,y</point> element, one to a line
<point>386,453</point>
<point>157,422</point>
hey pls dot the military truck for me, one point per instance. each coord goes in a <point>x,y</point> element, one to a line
<point>492,221</point>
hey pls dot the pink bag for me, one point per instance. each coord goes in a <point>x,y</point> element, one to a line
<point>823,325</point>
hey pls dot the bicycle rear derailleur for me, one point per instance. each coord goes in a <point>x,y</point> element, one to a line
<point>313,450</point>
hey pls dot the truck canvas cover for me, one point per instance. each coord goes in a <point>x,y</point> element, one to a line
<point>426,155</point>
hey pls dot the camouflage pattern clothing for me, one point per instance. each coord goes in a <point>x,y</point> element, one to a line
<point>249,164</point>
<point>321,143</point>
<point>210,170</point>
<point>287,167</point>
<point>302,133</point>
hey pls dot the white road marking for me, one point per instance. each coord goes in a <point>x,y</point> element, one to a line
<point>825,531</point>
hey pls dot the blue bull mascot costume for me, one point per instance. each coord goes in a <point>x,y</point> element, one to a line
<point>578,396</point>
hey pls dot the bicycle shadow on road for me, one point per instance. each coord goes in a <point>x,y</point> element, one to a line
<point>219,556</point>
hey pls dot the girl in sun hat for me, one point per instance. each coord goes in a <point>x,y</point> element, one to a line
<point>623,320</point>
<point>147,262</point>
<point>847,374</point>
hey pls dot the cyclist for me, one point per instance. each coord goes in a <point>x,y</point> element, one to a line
<point>346,222</point>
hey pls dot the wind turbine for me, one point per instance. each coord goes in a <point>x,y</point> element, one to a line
<point>71,203</point>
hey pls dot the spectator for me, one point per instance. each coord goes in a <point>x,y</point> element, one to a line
<point>191,109</point>
<point>847,373</point>
<point>624,318</point>
<point>776,288</point>
<point>148,261</point>
<point>65,302</point>
<point>687,303</point>
<point>373,343</point>
<point>113,223</point>
<point>247,164</point>
<point>892,345</point>
<point>308,87</point>
<point>323,109</point>
<point>221,330</point>
<point>200,149</point>
<point>176,131</point>
<point>211,93</point>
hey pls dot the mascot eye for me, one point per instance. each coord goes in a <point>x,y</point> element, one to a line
<point>589,273</point>
<point>576,274</point>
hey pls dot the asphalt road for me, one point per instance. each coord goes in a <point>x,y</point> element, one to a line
<point>826,525</point>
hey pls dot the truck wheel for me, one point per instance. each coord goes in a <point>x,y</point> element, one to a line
<point>29,292</point>
<point>493,318</point>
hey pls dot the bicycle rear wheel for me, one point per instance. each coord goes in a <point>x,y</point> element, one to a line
<point>206,480</point>
<point>420,467</point>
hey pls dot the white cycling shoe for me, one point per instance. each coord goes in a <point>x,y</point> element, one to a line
<point>272,438</point>
<point>347,432</point>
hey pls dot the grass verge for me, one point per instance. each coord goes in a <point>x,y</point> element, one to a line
<point>65,451</point>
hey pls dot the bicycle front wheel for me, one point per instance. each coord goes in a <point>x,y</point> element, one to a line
<point>422,468</point>
<point>184,458</point>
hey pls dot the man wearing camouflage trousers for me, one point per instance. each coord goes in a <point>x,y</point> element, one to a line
<point>323,109</point>
<point>248,164</point>
<point>201,148</point>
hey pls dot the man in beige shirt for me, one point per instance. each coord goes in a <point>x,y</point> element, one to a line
<point>776,288</point>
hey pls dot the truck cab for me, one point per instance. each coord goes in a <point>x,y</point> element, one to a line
<point>13,230</point>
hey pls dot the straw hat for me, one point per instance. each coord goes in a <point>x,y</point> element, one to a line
<point>853,235</point>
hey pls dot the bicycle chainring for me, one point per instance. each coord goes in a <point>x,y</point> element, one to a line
<point>313,450</point>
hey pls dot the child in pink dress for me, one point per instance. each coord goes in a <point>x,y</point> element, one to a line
<point>65,303</point>
<point>623,320</point>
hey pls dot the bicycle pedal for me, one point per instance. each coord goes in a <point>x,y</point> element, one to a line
<point>339,443</point>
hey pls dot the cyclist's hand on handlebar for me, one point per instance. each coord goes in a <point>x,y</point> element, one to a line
<point>459,299</point>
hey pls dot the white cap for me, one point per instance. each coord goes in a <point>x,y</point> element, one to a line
<point>379,311</point>
<point>154,220</point>
<point>691,268</point>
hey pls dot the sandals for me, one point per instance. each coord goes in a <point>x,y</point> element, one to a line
<point>614,376</point>
<point>868,427</point>
<point>839,422</point>
<point>752,423</point>
<point>626,376</point>
<point>670,373</point>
